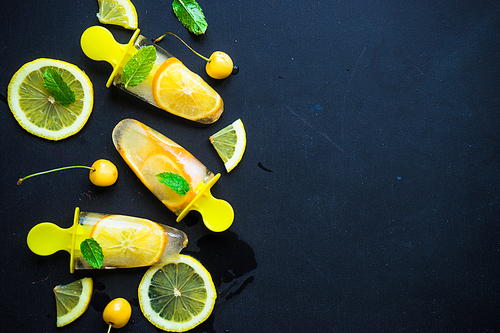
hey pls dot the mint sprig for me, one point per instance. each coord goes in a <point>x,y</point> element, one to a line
<point>190,14</point>
<point>174,181</point>
<point>92,252</point>
<point>139,66</point>
<point>57,88</point>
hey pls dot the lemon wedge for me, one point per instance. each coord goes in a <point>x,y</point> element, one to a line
<point>177,296</point>
<point>230,143</point>
<point>38,112</point>
<point>72,300</point>
<point>118,12</point>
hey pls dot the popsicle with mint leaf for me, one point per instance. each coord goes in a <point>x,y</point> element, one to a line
<point>151,74</point>
<point>177,178</point>
<point>108,241</point>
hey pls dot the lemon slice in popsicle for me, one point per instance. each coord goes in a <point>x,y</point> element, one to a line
<point>136,242</point>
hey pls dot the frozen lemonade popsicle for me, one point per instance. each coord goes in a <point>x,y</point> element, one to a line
<point>150,73</point>
<point>175,176</point>
<point>126,241</point>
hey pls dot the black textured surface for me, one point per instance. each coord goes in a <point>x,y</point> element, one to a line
<point>368,196</point>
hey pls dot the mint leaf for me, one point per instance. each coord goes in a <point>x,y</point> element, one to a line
<point>191,16</point>
<point>56,87</point>
<point>92,252</point>
<point>174,181</point>
<point>139,66</point>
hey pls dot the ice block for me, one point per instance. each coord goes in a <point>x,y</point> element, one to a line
<point>126,241</point>
<point>170,85</point>
<point>150,154</point>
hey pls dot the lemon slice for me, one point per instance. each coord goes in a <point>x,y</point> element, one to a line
<point>230,143</point>
<point>38,112</point>
<point>118,12</point>
<point>177,296</point>
<point>181,92</point>
<point>129,243</point>
<point>72,300</point>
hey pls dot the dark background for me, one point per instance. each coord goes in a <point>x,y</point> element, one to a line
<point>368,196</point>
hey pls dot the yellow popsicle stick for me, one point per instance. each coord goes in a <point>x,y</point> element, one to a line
<point>46,238</point>
<point>217,214</point>
<point>99,44</point>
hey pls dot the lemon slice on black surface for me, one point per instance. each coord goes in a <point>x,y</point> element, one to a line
<point>230,143</point>
<point>72,300</point>
<point>177,296</point>
<point>38,112</point>
<point>118,12</point>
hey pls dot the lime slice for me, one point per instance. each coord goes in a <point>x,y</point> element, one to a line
<point>230,143</point>
<point>118,12</point>
<point>38,112</point>
<point>72,300</point>
<point>177,296</point>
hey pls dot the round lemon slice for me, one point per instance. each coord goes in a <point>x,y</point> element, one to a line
<point>230,143</point>
<point>118,12</point>
<point>38,112</point>
<point>72,300</point>
<point>177,296</point>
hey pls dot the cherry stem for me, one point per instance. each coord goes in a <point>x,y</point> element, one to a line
<point>109,329</point>
<point>58,169</point>
<point>183,42</point>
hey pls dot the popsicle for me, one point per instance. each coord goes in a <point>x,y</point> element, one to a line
<point>126,241</point>
<point>150,73</point>
<point>158,161</point>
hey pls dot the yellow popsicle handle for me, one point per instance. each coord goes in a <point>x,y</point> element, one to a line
<point>99,44</point>
<point>217,214</point>
<point>47,238</point>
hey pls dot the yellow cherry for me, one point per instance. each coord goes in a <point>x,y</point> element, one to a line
<point>117,313</point>
<point>104,173</point>
<point>219,65</point>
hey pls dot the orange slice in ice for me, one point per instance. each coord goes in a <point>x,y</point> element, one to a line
<point>129,242</point>
<point>156,164</point>
<point>179,91</point>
